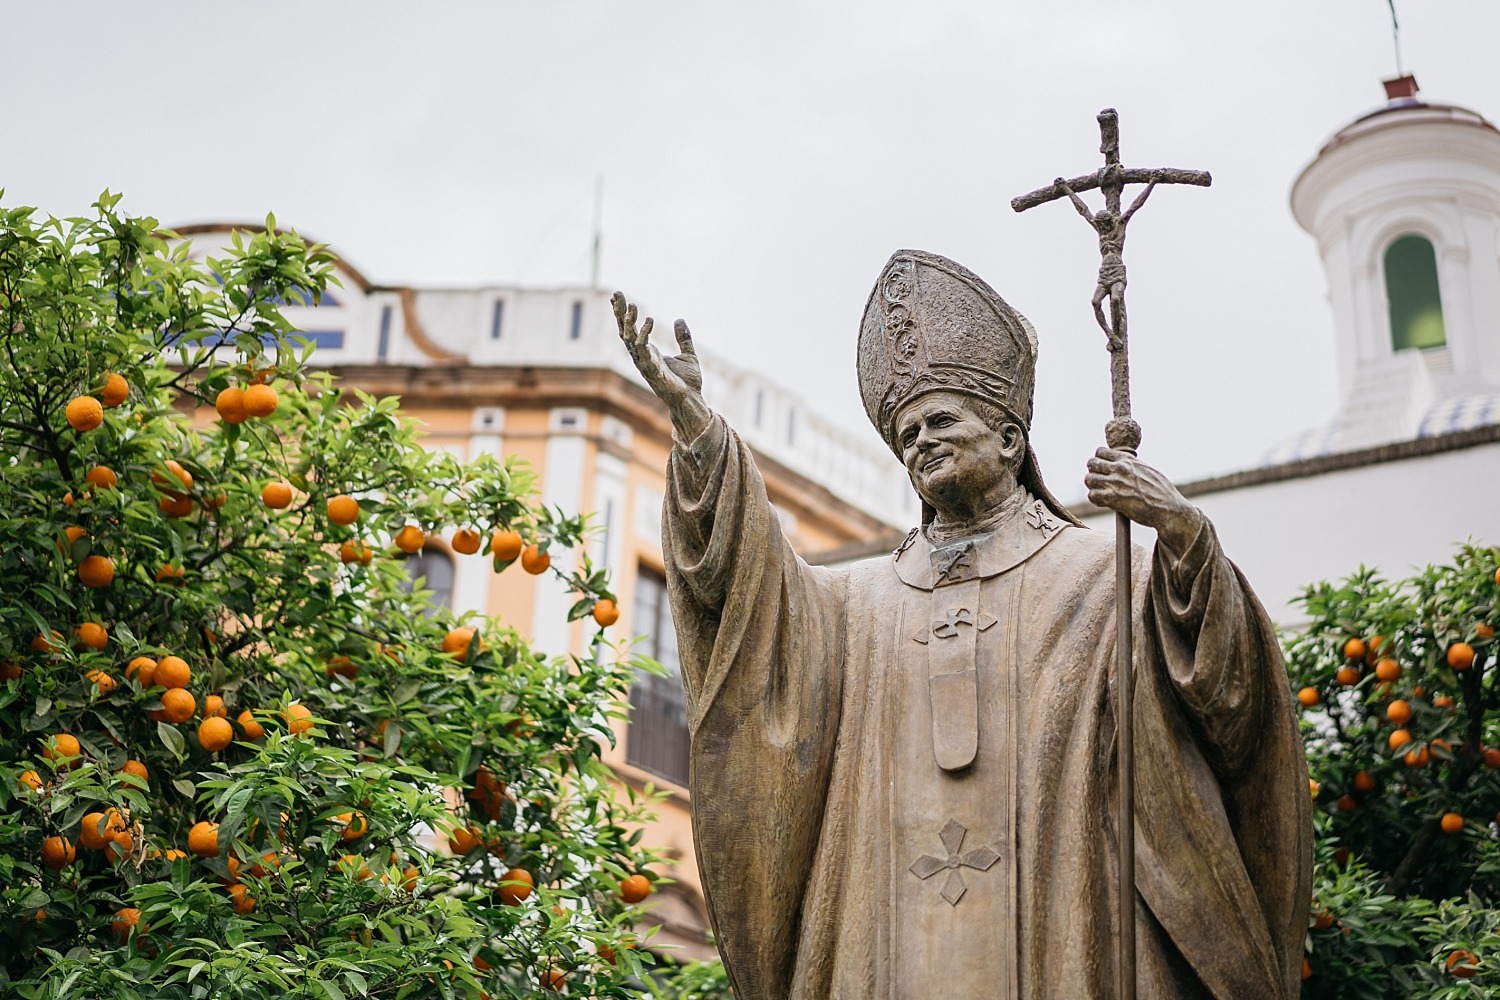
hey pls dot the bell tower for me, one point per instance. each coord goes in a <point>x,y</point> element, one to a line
<point>1404,203</point>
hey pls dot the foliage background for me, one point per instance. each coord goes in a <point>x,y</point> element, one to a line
<point>324,830</point>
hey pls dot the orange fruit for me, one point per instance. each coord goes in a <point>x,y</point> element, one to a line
<point>42,644</point>
<point>261,400</point>
<point>84,413</point>
<point>175,506</point>
<point>1442,701</point>
<point>1497,577</point>
<point>355,865</point>
<point>177,704</point>
<point>230,403</point>
<point>1398,712</point>
<point>253,730</point>
<point>462,840</point>
<point>354,825</point>
<point>142,669</point>
<point>1373,649</point>
<point>68,499</point>
<point>102,681</point>
<point>466,541</point>
<point>29,779</point>
<point>1399,739</point>
<point>97,829</point>
<point>71,534</point>
<point>57,852</point>
<point>515,886</point>
<point>354,551</point>
<point>214,734</point>
<point>127,918</point>
<point>1463,964</point>
<point>1364,782</point>
<point>277,495</point>
<point>637,887</point>
<point>506,545</point>
<point>1388,670</point>
<point>102,477</point>
<point>91,635</point>
<point>116,390</point>
<point>480,965</point>
<point>136,768</point>
<point>1452,823</point>
<point>1308,697</point>
<point>552,980</point>
<point>1345,804</point>
<point>268,862</point>
<point>96,571</point>
<point>11,671</point>
<point>1484,631</point>
<point>214,705</point>
<point>203,839</point>
<point>61,746</point>
<point>410,539</point>
<point>120,845</point>
<point>1418,758</point>
<point>1492,758</point>
<point>1306,970</point>
<point>242,902</point>
<point>173,672</point>
<point>457,642</point>
<point>1354,649</point>
<point>534,560</point>
<point>183,476</point>
<point>1347,676</point>
<point>409,878</point>
<point>607,612</point>
<point>343,509</point>
<point>299,719</point>
<point>341,666</point>
<point>1460,656</point>
<point>168,573</point>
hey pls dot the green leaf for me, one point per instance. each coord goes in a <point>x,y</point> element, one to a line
<point>171,739</point>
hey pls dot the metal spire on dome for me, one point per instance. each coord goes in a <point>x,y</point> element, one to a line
<point>1396,37</point>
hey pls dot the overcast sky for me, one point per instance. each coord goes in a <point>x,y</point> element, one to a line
<point>762,160</point>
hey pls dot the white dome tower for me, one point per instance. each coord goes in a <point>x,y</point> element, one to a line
<point>1405,205</point>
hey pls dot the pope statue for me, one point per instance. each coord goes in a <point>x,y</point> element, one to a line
<point>902,772</point>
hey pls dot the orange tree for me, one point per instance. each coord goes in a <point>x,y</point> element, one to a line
<point>239,755</point>
<point>1401,718</point>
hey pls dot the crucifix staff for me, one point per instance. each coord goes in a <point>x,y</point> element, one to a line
<point>1122,434</point>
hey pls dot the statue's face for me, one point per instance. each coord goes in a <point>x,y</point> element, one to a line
<point>955,460</point>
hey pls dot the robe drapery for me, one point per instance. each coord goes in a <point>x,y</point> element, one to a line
<point>902,772</point>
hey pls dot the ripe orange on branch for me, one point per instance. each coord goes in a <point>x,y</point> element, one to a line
<point>410,539</point>
<point>203,839</point>
<point>1354,649</point>
<point>101,477</point>
<point>183,478</point>
<point>96,571</point>
<point>214,734</point>
<point>1388,670</point>
<point>57,852</point>
<point>506,544</point>
<point>607,612</point>
<point>252,729</point>
<point>299,719</point>
<point>143,670</point>
<point>276,495</point>
<point>457,642</point>
<point>466,541</point>
<point>91,635</point>
<point>261,400</point>
<point>534,560</point>
<point>173,672</point>
<point>1452,823</point>
<point>177,704</point>
<point>343,509</point>
<point>636,888</point>
<point>116,390</point>
<point>1463,964</point>
<point>1399,739</point>
<point>1398,712</point>
<point>84,413</point>
<point>61,746</point>
<point>230,404</point>
<point>1347,676</point>
<point>1460,656</point>
<point>515,886</point>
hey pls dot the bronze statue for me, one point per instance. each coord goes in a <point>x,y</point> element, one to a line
<point>902,771</point>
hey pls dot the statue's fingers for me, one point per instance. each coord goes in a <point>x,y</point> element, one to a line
<point>645,334</point>
<point>684,338</point>
<point>617,303</point>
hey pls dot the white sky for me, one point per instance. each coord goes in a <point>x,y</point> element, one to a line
<point>762,160</point>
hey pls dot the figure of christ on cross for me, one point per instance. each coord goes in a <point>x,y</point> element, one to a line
<point>1111,229</point>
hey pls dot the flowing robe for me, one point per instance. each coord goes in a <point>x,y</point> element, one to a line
<point>871,821</point>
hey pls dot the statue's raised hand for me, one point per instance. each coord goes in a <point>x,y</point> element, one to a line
<point>677,380</point>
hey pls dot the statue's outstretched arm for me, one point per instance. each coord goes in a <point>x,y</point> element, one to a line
<point>677,381</point>
<point>1140,200</point>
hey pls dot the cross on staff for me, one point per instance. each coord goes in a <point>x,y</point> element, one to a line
<point>1122,434</point>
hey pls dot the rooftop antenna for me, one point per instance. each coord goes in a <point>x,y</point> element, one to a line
<point>598,213</point>
<point>1396,36</point>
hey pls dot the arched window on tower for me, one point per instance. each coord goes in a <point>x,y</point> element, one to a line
<point>1411,294</point>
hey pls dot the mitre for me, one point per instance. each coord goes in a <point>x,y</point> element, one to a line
<point>932,325</point>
